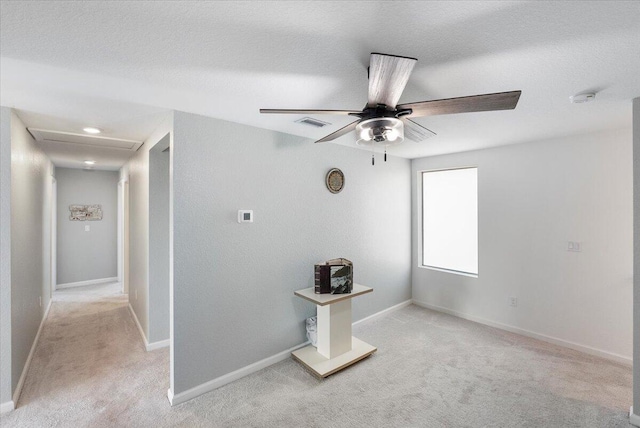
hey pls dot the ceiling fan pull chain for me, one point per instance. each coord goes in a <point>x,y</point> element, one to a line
<point>373,156</point>
<point>385,153</point>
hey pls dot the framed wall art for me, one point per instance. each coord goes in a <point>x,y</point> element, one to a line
<point>85,212</point>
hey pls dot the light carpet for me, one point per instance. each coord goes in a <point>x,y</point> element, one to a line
<point>90,369</point>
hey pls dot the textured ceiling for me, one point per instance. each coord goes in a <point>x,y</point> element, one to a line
<point>119,65</point>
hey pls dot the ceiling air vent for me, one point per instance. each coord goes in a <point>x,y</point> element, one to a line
<point>312,122</point>
<point>46,136</point>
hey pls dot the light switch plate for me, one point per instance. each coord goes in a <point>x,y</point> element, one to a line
<point>245,216</point>
<point>87,228</point>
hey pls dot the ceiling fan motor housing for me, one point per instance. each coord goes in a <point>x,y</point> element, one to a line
<point>380,111</point>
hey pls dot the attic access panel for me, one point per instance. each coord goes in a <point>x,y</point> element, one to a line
<point>47,136</point>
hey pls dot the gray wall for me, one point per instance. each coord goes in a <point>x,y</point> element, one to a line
<point>85,256</point>
<point>636,256</point>
<point>31,176</point>
<point>136,172</point>
<point>159,228</point>
<point>233,301</point>
<point>532,200</point>
<point>5,255</point>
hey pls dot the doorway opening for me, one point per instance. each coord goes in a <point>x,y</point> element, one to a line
<point>54,234</point>
<point>159,240</point>
<point>123,235</point>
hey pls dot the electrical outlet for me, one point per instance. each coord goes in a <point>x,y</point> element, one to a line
<point>513,301</point>
<point>575,247</point>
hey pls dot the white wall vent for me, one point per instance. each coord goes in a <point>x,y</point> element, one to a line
<point>312,122</point>
<point>46,136</point>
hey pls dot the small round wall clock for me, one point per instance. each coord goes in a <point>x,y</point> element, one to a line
<point>335,180</point>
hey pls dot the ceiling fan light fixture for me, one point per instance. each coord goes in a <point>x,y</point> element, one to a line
<point>392,135</point>
<point>385,131</point>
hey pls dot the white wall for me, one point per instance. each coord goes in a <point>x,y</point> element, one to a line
<point>533,198</point>
<point>31,172</point>
<point>233,284</point>
<point>5,258</point>
<point>86,256</point>
<point>136,171</point>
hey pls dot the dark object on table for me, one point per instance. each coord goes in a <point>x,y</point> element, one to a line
<point>334,276</point>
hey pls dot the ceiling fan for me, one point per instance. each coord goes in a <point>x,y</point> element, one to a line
<point>384,122</point>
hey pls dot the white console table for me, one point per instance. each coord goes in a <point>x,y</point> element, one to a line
<point>337,349</point>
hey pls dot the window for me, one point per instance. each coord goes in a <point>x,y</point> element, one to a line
<point>450,220</point>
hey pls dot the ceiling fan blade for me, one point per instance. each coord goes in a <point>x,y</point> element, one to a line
<point>485,102</point>
<point>339,133</point>
<point>415,132</point>
<point>388,75</point>
<point>293,111</point>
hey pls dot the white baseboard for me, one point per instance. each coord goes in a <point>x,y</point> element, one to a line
<point>6,407</point>
<point>384,312</point>
<point>633,418</point>
<point>157,345</point>
<point>89,282</point>
<point>556,341</point>
<point>230,377</point>
<point>135,318</point>
<point>25,369</point>
<point>148,346</point>
<point>252,368</point>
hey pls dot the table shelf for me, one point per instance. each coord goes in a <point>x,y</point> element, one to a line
<point>336,349</point>
<point>327,299</point>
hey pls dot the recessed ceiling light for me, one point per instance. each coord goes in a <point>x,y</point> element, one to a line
<point>92,130</point>
<point>90,162</point>
<point>583,98</point>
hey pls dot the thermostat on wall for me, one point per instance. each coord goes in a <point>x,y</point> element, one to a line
<point>245,216</point>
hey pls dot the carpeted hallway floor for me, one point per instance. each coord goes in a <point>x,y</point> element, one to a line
<point>431,370</point>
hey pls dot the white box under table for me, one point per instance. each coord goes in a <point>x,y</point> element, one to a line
<point>337,349</point>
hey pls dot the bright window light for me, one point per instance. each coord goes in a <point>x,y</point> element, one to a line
<point>450,220</point>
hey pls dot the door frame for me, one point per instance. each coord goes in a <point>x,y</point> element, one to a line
<point>54,234</point>
<point>123,235</point>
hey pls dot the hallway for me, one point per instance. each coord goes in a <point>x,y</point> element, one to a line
<point>89,362</point>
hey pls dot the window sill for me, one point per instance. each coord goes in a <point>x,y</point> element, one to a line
<point>455,272</point>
